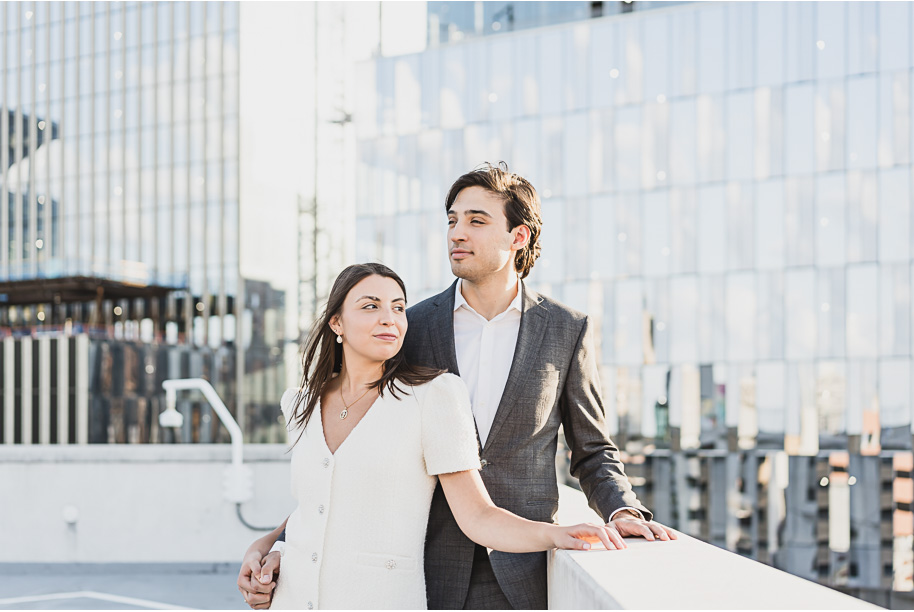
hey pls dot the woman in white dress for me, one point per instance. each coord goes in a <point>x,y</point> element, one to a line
<point>372,435</point>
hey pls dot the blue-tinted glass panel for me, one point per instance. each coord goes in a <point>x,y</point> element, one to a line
<point>831,40</point>
<point>711,51</point>
<point>799,123</point>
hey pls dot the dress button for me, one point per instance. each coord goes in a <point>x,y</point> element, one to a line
<point>325,462</point>
<point>320,509</point>
<point>313,557</point>
<point>310,606</point>
<point>391,564</point>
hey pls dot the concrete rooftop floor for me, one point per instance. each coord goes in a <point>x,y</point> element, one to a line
<point>119,586</point>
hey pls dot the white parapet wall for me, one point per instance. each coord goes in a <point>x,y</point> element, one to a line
<point>134,503</point>
<point>685,574</point>
<point>166,503</point>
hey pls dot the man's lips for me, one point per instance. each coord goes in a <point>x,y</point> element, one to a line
<point>460,254</point>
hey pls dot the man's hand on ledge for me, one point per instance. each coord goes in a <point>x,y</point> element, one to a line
<point>256,579</point>
<point>629,524</point>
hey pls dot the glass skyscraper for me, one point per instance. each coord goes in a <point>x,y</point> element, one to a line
<point>727,193</point>
<point>122,261</point>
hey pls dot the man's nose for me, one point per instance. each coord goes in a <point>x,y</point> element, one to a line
<point>457,233</point>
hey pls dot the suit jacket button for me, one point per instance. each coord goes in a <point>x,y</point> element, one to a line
<point>483,463</point>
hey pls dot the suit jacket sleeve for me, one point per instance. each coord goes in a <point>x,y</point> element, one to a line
<point>595,459</point>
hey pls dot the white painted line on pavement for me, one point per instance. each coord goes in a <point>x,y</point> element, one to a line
<point>132,601</point>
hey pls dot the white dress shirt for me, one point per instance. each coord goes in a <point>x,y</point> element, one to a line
<point>485,351</point>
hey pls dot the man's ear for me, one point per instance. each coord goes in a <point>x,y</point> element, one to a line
<point>521,237</point>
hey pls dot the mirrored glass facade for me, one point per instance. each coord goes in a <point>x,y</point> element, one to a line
<point>456,21</point>
<point>727,193</point>
<point>119,182</point>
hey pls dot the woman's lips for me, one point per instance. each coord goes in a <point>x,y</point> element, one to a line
<point>387,337</point>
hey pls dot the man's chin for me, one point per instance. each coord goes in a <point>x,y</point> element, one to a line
<point>461,271</point>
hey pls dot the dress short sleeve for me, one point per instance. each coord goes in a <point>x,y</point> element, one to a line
<point>449,441</point>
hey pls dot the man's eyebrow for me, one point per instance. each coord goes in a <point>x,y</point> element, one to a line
<point>467,213</point>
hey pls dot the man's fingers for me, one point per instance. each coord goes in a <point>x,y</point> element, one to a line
<point>649,530</point>
<point>259,587</point>
<point>659,531</point>
<point>249,568</point>
<point>646,531</point>
<point>257,599</point>
<point>254,586</point>
<point>270,567</point>
<point>665,531</point>
<point>624,527</point>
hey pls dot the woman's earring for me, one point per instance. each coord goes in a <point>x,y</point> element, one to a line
<point>339,339</point>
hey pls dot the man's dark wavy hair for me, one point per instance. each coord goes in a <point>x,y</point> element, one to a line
<point>522,205</point>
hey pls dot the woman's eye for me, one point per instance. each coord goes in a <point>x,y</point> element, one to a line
<point>368,306</point>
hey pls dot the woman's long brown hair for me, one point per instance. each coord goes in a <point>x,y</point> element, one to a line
<point>323,356</point>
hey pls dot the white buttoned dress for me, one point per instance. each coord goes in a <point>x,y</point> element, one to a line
<point>357,538</point>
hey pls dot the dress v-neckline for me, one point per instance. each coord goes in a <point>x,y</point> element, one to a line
<point>320,415</point>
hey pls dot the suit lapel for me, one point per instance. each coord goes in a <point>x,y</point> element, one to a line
<point>533,321</point>
<point>441,331</point>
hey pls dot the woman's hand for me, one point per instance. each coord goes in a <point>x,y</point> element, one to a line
<point>580,537</point>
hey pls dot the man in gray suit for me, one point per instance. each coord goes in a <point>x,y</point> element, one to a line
<point>530,366</point>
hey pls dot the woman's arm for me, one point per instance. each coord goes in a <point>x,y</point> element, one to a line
<point>264,544</point>
<point>255,591</point>
<point>493,527</point>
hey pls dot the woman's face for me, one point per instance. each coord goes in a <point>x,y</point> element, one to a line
<point>372,320</point>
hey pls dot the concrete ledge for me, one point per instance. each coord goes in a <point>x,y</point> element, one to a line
<point>685,574</point>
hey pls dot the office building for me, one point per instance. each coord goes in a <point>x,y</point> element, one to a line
<point>727,193</point>
<point>157,171</point>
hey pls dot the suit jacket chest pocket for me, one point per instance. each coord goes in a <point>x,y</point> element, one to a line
<point>542,389</point>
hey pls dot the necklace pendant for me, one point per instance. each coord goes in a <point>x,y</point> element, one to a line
<point>344,414</point>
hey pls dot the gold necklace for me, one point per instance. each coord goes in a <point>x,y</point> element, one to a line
<point>345,412</point>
